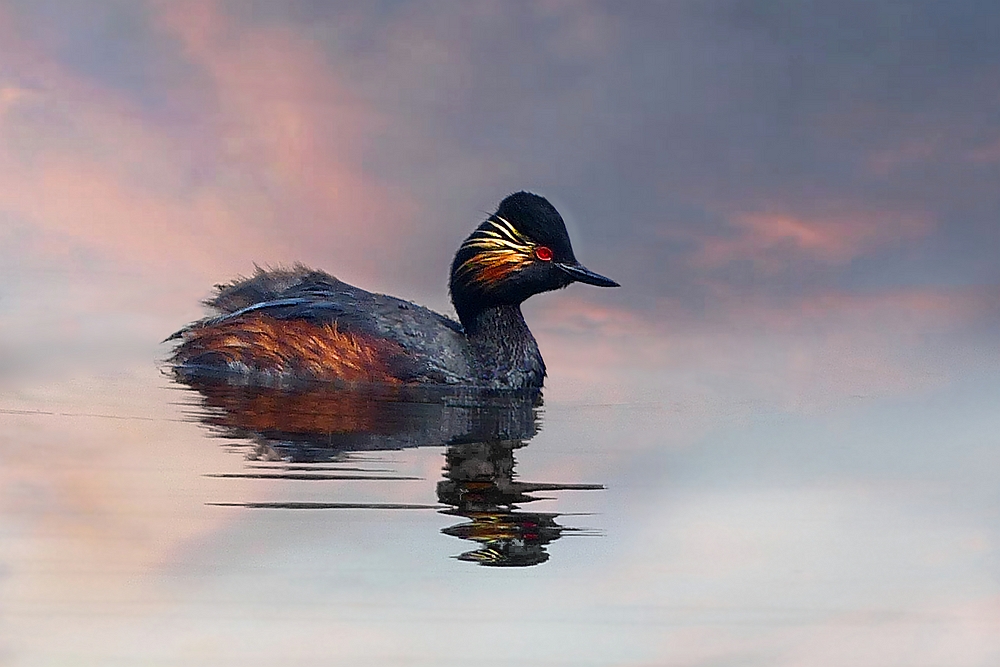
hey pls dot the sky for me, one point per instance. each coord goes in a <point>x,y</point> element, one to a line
<point>818,171</point>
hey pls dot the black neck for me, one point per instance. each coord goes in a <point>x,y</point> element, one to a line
<point>506,353</point>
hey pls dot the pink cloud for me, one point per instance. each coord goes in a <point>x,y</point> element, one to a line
<point>270,172</point>
<point>927,150</point>
<point>772,240</point>
<point>287,117</point>
<point>914,150</point>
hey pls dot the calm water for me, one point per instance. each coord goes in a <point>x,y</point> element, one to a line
<point>148,522</point>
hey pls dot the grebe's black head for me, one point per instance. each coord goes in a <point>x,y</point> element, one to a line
<point>521,250</point>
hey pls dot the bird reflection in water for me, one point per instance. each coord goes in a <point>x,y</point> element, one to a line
<point>479,484</point>
<point>308,426</point>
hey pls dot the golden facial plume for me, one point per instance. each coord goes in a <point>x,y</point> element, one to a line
<point>499,250</point>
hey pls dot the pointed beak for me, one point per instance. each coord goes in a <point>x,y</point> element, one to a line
<point>582,274</point>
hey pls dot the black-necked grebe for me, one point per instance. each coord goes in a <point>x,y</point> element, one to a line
<point>301,324</point>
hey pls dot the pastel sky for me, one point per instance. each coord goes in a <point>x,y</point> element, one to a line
<point>806,169</point>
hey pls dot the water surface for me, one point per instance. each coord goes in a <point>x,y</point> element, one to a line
<point>146,522</point>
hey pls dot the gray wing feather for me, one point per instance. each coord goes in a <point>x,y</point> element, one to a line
<point>434,343</point>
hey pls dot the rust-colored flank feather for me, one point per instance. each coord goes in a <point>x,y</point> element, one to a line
<point>294,347</point>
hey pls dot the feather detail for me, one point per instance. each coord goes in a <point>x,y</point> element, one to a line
<point>293,347</point>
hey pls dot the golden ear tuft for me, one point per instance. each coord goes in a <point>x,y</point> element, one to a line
<point>499,250</point>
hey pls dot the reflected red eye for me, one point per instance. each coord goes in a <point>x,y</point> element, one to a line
<point>543,253</point>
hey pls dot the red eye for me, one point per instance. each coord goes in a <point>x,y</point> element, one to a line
<point>543,253</point>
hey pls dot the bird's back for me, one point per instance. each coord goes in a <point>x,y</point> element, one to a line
<point>299,323</point>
